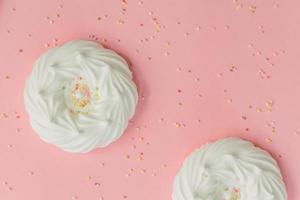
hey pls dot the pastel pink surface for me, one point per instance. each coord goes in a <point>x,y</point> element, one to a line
<point>204,69</point>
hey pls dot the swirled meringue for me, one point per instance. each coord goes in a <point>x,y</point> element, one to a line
<point>229,169</point>
<point>80,96</point>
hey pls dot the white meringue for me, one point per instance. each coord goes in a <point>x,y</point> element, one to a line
<point>80,96</point>
<point>229,169</point>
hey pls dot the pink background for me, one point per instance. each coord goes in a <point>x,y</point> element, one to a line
<point>205,69</point>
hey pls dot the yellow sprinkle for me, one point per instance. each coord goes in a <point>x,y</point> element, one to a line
<point>269,140</point>
<point>275,54</point>
<point>232,68</point>
<point>4,115</point>
<point>269,105</point>
<point>140,158</point>
<point>178,125</point>
<point>252,8</point>
<point>120,21</point>
<point>168,43</point>
<point>238,6</point>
